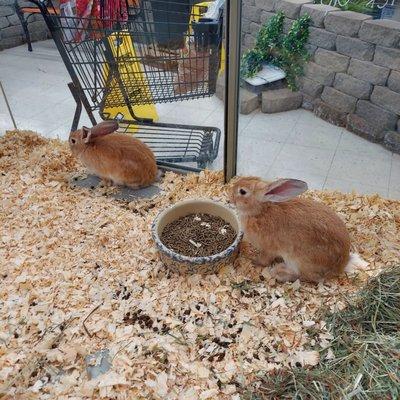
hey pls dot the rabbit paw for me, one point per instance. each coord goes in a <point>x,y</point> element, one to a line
<point>282,273</point>
<point>105,182</point>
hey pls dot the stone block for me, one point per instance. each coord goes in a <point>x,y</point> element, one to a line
<point>24,3</point>
<point>319,74</point>
<point>367,71</point>
<point>308,102</point>
<point>338,100</point>
<point>13,19</point>
<point>310,88</point>
<point>267,5</point>
<point>387,57</point>
<point>376,116</point>
<point>393,82</point>
<point>329,113</point>
<point>39,35</point>
<point>355,48</point>
<point>274,101</point>
<point>248,101</point>
<point>386,98</point>
<point>385,32</point>
<point>287,24</point>
<point>4,22</point>
<point>331,60</point>
<point>38,17</point>
<point>6,2</point>
<point>246,25</point>
<point>392,141</point>
<point>5,11</point>
<point>291,8</point>
<point>311,50</point>
<point>7,43</point>
<point>249,41</point>
<point>346,23</point>
<point>322,38</point>
<point>11,31</point>
<point>352,86</point>
<point>266,16</point>
<point>254,28</point>
<point>40,25</point>
<point>317,12</point>
<point>251,12</point>
<point>363,128</point>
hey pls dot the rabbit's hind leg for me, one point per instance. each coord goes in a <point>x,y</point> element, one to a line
<point>284,272</point>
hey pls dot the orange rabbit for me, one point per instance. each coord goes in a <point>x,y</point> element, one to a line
<point>310,238</point>
<point>115,157</point>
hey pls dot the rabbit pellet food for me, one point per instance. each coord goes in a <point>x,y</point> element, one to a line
<point>198,235</point>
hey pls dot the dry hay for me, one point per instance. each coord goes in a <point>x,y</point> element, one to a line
<point>366,345</point>
<point>78,268</point>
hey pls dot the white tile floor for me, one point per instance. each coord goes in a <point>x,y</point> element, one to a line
<point>291,144</point>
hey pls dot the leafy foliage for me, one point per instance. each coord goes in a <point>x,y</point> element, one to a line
<point>285,51</point>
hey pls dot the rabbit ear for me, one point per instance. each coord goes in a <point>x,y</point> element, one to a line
<point>101,129</point>
<point>86,134</point>
<point>104,128</point>
<point>284,189</point>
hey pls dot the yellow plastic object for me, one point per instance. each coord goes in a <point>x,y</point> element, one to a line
<point>132,75</point>
<point>200,9</point>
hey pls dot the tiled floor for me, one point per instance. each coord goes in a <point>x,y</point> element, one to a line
<point>292,144</point>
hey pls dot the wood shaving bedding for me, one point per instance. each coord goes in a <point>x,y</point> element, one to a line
<point>80,273</point>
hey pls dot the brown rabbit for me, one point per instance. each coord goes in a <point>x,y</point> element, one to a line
<point>115,157</point>
<point>310,238</point>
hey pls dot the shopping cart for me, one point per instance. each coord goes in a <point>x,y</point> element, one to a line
<point>125,56</point>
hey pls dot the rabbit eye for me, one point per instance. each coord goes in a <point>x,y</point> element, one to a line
<point>242,192</point>
<point>73,141</point>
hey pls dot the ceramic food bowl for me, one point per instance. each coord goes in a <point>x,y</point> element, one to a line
<point>196,265</point>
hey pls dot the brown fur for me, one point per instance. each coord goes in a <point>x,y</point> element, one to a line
<point>304,233</point>
<point>116,157</point>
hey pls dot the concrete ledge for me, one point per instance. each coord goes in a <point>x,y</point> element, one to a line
<point>385,32</point>
<point>346,23</point>
<point>291,8</point>
<point>317,12</point>
<point>274,101</point>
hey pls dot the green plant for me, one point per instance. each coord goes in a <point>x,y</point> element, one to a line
<point>285,51</point>
<point>293,53</point>
<point>268,39</point>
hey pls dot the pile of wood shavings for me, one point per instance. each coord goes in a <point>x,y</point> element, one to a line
<point>80,273</point>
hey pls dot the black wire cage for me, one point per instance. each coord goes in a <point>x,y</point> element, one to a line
<point>125,54</point>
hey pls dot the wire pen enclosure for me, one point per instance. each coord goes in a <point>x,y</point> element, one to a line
<point>125,56</point>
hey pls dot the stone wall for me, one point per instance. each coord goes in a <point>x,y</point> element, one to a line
<point>353,77</point>
<point>11,33</point>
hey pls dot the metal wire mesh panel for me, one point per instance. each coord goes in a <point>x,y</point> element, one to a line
<point>177,143</point>
<point>151,52</point>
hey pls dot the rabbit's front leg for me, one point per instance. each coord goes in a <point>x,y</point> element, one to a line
<point>257,256</point>
<point>106,182</point>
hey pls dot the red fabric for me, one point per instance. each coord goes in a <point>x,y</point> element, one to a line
<point>91,16</point>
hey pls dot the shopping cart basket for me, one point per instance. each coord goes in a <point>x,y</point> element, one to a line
<point>125,54</point>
